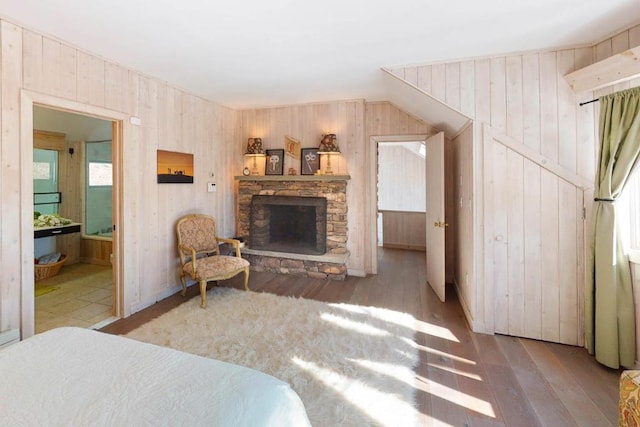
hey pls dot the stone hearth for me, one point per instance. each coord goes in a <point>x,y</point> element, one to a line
<point>330,265</point>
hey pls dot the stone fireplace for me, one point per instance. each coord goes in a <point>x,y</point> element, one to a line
<point>294,225</point>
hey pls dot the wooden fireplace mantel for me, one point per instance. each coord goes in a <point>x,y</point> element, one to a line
<point>293,178</point>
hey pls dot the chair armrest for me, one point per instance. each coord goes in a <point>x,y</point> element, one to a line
<point>234,242</point>
<point>190,251</point>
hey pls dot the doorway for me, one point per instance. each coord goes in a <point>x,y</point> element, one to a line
<point>77,150</point>
<point>401,194</point>
<point>417,220</point>
<point>114,272</point>
<point>392,172</point>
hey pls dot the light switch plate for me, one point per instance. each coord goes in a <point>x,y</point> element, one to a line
<point>211,187</point>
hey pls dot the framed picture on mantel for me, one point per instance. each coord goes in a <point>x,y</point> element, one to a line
<point>309,161</point>
<point>275,162</point>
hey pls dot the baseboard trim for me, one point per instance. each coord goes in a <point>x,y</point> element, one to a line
<point>9,337</point>
<point>404,246</point>
<point>154,299</point>
<point>356,273</point>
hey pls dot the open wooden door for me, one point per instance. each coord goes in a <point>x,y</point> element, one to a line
<point>435,214</point>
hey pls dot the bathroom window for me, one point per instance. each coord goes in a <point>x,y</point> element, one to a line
<point>100,174</point>
<point>98,189</point>
<point>41,170</point>
<point>45,177</point>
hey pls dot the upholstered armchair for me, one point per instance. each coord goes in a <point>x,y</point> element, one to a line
<point>200,258</point>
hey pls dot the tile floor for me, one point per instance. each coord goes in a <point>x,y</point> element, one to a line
<point>80,295</point>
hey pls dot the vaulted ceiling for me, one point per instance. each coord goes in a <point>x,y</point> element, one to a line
<point>248,53</point>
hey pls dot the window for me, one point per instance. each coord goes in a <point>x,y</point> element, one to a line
<point>45,180</point>
<point>100,174</point>
<point>98,193</point>
<point>628,213</point>
<point>41,170</point>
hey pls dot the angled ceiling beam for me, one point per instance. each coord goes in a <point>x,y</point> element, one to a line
<point>424,106</point>
<point>615,69</point>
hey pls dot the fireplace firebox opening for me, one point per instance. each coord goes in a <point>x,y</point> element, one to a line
<point>288,224</point>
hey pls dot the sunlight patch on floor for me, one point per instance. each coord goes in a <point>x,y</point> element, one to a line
<point>436,331</point>
<point>351,325</point>
<point>459,398</point>
<point>391,316</point>
<point>437,352</point>
<point>383,408</point>
<point>397,372</point>
<point>456,371</point>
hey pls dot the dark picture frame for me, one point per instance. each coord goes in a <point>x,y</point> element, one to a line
<point>309,161</point>
<point>174,167</point>
<point>274,163</point>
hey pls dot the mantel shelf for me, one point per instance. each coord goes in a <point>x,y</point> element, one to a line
<point>293,178</point>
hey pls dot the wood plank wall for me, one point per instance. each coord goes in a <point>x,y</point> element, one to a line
<point>72,198</point>
<point>401,179</point>
<point>306,123</point>
<point>404,230</point>
<point>172,119</point>
<point>525,97</point>
<point>353,122</point>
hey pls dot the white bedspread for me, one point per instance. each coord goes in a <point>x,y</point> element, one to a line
<point>79,377</point>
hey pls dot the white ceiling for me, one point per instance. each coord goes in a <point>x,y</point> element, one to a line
<point>247,53</point>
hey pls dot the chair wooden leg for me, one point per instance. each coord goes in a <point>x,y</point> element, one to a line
<point>184,285</point>
<point>203,294</point>
<point>246,279</point>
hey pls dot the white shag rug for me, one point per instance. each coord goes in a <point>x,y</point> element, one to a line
<point>350,365</point>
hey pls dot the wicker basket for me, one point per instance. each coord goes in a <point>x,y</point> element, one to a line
<point>44,271</point>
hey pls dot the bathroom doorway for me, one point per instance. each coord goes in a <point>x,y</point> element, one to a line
<point>80,163</point>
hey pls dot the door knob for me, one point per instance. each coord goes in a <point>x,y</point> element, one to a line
<point>440,224</point>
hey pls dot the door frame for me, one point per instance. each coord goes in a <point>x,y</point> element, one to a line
<point>371,238</point>
<point>119,120</point>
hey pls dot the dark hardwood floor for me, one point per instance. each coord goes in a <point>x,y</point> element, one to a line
<point>463,379</point>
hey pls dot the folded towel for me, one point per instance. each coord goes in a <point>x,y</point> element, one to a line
<point>50,220</point>
<point>49,258</point>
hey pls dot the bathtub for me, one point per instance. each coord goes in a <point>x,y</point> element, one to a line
<point>96,248</point>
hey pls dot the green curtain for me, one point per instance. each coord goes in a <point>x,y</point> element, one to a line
<point>609,309</point>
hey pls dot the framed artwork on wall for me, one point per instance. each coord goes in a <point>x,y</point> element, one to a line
<point>175,168</point>
<point>292,147</point>
<point>275,162</point>
<point>309,161</point>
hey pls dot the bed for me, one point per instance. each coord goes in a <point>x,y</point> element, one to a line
<point>73,376</point>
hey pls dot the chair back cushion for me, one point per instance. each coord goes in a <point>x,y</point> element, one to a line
<point>198,232</point>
